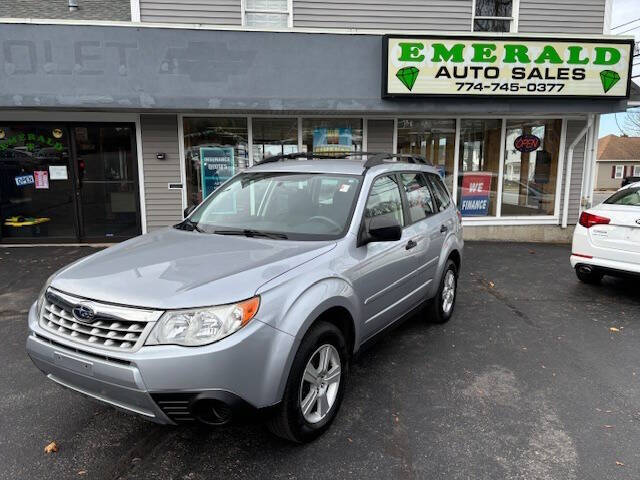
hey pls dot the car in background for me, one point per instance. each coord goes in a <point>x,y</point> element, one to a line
<point>629,180</point>
<point>606,240</point>
<point>259,298</point>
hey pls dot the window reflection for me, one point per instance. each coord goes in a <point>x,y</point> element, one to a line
<point>530,167</point>
<point>274,136</point>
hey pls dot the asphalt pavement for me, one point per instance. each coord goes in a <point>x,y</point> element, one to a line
<point>527,381</point>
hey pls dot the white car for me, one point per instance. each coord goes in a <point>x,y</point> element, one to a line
<point>607,239</point>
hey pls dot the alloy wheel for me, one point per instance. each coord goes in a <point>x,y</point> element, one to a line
<point>320,383</point>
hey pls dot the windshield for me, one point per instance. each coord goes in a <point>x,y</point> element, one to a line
<point>296,206</point>
<point>628,196</point>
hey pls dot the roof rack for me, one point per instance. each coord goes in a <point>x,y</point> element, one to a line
<point>374,158</point>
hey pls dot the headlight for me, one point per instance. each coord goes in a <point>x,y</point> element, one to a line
<point>201,326</point>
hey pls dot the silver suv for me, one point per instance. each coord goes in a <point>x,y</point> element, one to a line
<point>260,298</point>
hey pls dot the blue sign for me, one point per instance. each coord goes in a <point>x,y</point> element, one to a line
<point>334,140</point>
<point>475,206</point>
<point>23,180</point>
<point>216,167</point>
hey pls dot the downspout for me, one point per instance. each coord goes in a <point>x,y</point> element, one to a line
<point>567,182</point>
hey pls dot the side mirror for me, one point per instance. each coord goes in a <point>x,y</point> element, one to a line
<point>188,210</point>
<point>384,228</point>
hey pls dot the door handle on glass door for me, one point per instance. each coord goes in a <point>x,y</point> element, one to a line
<point>411,244</point>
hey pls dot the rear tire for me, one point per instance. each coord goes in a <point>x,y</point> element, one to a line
<point>592,278</point>
<point>308,375</point>
<point>440,308</point>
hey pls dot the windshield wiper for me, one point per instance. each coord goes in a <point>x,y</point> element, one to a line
<point>189,226</point>
<point>252,233</point>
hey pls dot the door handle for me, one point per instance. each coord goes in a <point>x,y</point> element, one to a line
<point>443,228</point>
<point>411,244</point>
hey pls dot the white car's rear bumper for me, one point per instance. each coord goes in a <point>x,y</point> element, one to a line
<point>606,259</point>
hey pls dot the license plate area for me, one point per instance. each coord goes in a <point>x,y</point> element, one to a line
<point>72,363</point>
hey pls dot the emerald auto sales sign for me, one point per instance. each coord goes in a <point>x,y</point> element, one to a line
<point>426,66</point>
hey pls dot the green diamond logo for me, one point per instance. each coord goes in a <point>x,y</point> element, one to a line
<point>407,76</point>
<point>608,78</point>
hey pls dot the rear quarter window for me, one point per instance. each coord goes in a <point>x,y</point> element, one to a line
<point>628,196</point>
<point>440,191</point>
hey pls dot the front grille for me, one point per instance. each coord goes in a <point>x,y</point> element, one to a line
<point>176,406</point>
<point>112,327</point>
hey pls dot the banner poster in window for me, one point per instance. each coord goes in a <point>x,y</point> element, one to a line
<point>41,178</point>
<point>24,180</point>
<point>332,140</point>
<point>476,187</point>
<point>216,166</point>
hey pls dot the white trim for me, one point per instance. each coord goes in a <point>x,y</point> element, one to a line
<point>456,160</point>
<point>242,15</point>
<point>135,10</point>
<point>141,189</point>
<point>395,135</point>
<point>635,170</point>
<point>608,9</point>
<point>561,155</point>
<point>300,137</point>
<point>503,137</point>
<point>522,220</point>
<point>567,185</point>
<point>290,8</point>
<point>244,10</point>
<point>337,31</point>
<point>594,156</point>
<point>365,134</point>
<point>515,13</point>
<point>183,162</point>
<point>250,140</point>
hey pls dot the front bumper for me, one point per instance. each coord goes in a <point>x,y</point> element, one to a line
<point>246,370</point>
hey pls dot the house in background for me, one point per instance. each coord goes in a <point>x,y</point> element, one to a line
<point>618,157</point>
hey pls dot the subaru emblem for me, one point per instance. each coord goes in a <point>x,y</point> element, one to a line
<point>84,313</point>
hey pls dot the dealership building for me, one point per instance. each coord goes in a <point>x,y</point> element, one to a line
<point>115,116</point>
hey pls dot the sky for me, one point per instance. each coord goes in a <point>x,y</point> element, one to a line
<point>623,12</point>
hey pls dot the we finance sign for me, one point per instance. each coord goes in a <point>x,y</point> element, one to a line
<point>455,66</point>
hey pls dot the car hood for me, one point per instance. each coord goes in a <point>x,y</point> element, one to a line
<point>176,269</point>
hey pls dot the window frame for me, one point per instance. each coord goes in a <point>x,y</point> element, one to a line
<point>403,203</point>
<point>513,19</point>
<point>615,172</point>
<point>635,170</point>
<point>432,178</point>
<point>245,10</point>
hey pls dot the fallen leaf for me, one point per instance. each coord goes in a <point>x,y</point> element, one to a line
<point>620,464</point>
<point>491,284</point>
<point>51,448</point>
<point>82,472</point>
<point>349,440</point>
<point>614,329</point>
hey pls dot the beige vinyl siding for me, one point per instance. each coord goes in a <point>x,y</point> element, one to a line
<point>573,129</point>
<point>380,135</point>
<point>212,12</point>
<point>406,15</point>
<point>561,16</point>
<point>160,134</point>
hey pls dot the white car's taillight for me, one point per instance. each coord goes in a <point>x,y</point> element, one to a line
<point>588,220</point>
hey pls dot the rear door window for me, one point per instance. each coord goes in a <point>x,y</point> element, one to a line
<point>440,191</point>
<point>420,201</point>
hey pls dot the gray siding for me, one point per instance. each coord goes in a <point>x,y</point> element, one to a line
<point>59,9</point>
<point>380,135</point>
<point>573,129</point>
<point>214,12</point>
<point>443,15</point>
<point>160,134</point>
<point>561,16</point>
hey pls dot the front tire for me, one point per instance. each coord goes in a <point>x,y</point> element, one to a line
<point>315,386</point>
<point>440,308</point>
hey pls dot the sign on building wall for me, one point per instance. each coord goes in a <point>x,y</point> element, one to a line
<point>482,66</point>
<point>217,166</point>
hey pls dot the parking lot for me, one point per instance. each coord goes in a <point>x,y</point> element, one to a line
<point>528,381</point>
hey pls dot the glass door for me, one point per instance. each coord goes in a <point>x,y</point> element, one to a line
<point>107,181</point>
<point>37,190</point>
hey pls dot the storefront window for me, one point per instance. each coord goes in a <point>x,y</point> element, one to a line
<point>530,167</point>
<point>479,167</point>
<point>215,149</point>
<point>36,182</point>
<point>433,139</point>
<point>274,136</point>
<point>322,135</point>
